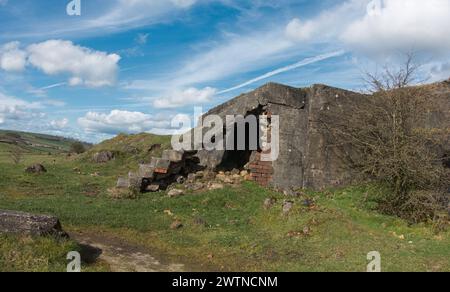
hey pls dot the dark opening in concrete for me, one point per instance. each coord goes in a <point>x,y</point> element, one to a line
<point>239,159</point>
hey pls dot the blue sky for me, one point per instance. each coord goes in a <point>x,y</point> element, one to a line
<point>131,66</point>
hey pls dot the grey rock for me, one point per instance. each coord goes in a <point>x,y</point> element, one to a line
<point>36,168</point>
<point>196,186</point>
<point>215,186</point>
<point>199,174</point>
<point>287,207</point>
<point>153,188</point>
<point>269,202</point>
<point>235,172</point>
<point>191,178</point>
<point>180,179</point>
<point>103,157</point>
<point>244,173</point>
<point>30,224</point>
<point>209,175</point>
<point>176,225</point>
<point>175,193</point>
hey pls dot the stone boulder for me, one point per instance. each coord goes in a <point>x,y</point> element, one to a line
<point>36,168</point>
<point>30,224</point>
<point>175,193</point>
<point>153,188</point>
<point>103,157</point>
<point>287,207</point>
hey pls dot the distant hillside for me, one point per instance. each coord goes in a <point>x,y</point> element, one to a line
<point>37,142</point>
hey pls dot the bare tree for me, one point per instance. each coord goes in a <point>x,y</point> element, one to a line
<point>391,79</point>
<point>385,137</point>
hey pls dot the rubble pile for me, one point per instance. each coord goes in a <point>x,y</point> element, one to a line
<point>178,172</point>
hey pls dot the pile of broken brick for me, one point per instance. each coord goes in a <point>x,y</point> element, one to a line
<point>178,169</point>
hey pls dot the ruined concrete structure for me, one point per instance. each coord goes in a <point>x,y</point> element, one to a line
<point>305,161</point>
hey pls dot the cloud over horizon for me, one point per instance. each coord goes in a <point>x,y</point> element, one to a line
<point>85,67</point>
<point>119,121</point>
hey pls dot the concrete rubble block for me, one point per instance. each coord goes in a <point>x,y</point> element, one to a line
<point>135,181</point>
<point>146,171</point>
<point>123,183</point>
<point>160,165</point>
<point>173,156</point>
<point>30,224</point>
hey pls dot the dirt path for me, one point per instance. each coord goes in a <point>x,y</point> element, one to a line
<point>121,256</point>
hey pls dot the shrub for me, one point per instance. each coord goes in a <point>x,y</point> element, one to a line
<point>77,147</point>
<point>385,137</point>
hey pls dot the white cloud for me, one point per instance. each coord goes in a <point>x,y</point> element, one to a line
<point>190,96</point>
<point>401,25</point>
<point>12,58</point>
<point>328,25</point>
<point>86,67</point>
<point>12,108</point>
<point>134,13</point>
<point>379,26</point>
<point>59,124</point>
<point>118,121</point>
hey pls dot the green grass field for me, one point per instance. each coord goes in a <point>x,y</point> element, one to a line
<point>236,233</point>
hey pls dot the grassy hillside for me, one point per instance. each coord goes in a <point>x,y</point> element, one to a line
<point>225,230</point>
<point>32,142</point>
<point>131,149</point>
